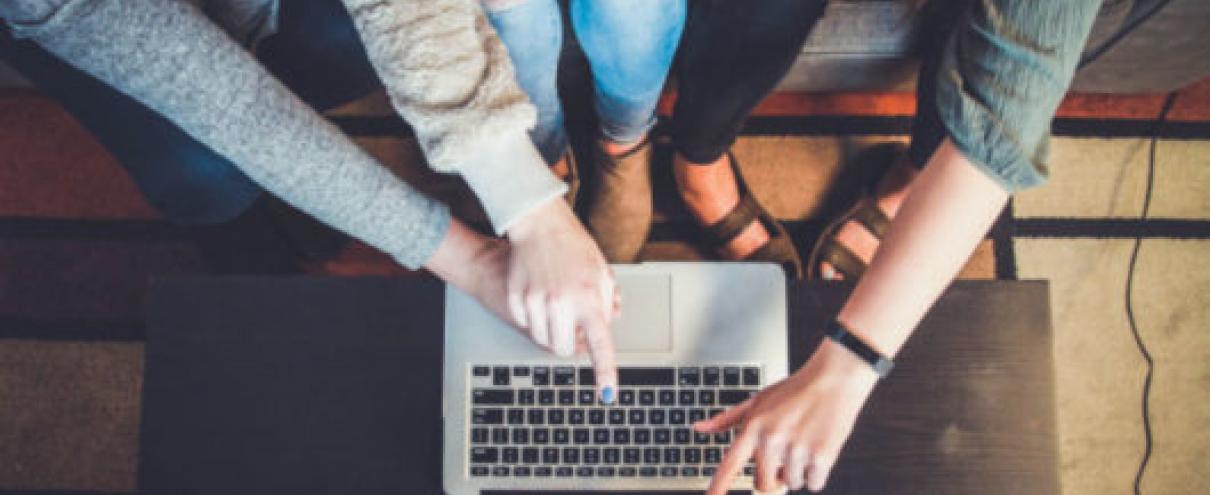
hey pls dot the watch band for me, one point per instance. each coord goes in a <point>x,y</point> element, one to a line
<point>841,335</point>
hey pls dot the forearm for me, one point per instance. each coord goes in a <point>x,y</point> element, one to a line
<point>449,76</point>
<point>169,57</point>
<point>948,211</point>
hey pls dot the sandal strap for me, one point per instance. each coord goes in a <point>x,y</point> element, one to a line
<point>734,223</point>
<point>781,250</point>
<point>869,215</point>
<point>842,259</point>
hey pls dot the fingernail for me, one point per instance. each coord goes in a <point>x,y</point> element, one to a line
<point>607,395</point>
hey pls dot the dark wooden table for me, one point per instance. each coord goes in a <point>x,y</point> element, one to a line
<point>332,385</point>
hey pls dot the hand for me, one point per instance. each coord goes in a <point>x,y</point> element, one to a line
<point>795,428</point>
<point>561,290</point>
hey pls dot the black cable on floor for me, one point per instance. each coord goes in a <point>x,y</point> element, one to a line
<point>1134,258</point>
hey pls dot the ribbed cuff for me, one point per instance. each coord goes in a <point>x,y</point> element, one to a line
<point>510,179</point>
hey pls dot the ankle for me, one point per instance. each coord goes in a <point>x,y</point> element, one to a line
<point>615,148</point>
<point>701,179</point>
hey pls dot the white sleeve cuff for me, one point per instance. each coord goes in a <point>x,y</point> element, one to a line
<point>510,179</point>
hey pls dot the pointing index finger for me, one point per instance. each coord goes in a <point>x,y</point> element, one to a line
<point>600,349</point>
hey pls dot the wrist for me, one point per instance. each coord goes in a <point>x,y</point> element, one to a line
<point>534,223</point>
<point>459,255</point>
<point>843,366</point>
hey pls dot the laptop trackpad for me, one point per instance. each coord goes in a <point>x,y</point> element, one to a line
<point>646,321</point>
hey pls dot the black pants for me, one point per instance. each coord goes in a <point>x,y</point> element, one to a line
<point>733,53</point>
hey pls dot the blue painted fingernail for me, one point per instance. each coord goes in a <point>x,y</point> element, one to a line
<point>607,395</point>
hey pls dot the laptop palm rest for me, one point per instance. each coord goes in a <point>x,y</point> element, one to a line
<point>645,323</point>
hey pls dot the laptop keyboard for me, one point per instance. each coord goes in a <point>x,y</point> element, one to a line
<point>546,422</point>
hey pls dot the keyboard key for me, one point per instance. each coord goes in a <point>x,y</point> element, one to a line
<point>560,435</point>
<point>592,455</point>
<point>606,471</point>
<point>676,417</point>
<point>521,471</point>
<point>693,455</point>
<point>713,455</point>
<point>500,471</point>
<point>541,376</point>
<point>617,417</point>
<point>529,455</point>
<point>731,376</point>
<point>520,370</point>
<point>546,397</point>
<point>571,455</point>
<point>710,377</point>
<point>565,376</point>
<point>543,471</point>
<point>651,455</point>
<point>646,377</point>
<point>563,471</point>
<point>525,397</point>
<point>631,455</point>
<point>550,455</point>
<point>638,416</point>
<point>657,416</point>
<point>581,436</point>
<point>689,377</point>
<point>479,471</point>
<point>627,472</point>
<point>669,472</point>
<point>686,398</point>
<point>751,377</point>
<point>510,455</point>
<point>689,472</point>
<point>481,371</point>
<point>536,417</point>
<point>709,471</point>
<point>626,397</point>
<point>672,455</point>
<point>696,414</point>
<point>642,436</point>
<point>584,472</point>
<point>520,436</point>
<point>600,436</point>
<point>567,398</point>
<point>501,375</point>
<point>722,437</point>
<point>596,416</point>
<point>648,472</point>
<point>749,470</point>
<point>705,397</point>
<point>554,416</point>
<point>612,455</point>
<point>575,416</point>
<point>667,398</point>
<point>587,397</point>
<point>541,436</point>
<point>485,455</point>
<point>516,416</point>
<point>500,436</point>
<point>587,377</point>
<point>481,416</point>
<point>662,436</point>
<point>646,397</point>
<point>682,436</point>
<point>733,397</point>
<point>621,436</point>
<point>701,438</point>
<point>479,435</point>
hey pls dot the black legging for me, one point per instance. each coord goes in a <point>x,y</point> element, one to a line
<point>733,53</point>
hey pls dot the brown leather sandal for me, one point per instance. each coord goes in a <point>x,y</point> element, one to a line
<point>865,211</point>
<point>780,248</point>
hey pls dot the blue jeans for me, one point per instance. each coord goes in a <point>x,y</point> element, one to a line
<point>629,44</point>
<point>316,53</point>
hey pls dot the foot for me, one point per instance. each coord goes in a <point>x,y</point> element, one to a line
<point>618,203</point>
<point>890,193</point>
<point>710,192</point>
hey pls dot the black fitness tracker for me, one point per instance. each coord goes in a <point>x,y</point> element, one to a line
<point>841,335</point>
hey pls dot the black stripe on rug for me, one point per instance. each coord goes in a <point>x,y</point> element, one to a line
<point>16,327</point>
<point>1166,228</point>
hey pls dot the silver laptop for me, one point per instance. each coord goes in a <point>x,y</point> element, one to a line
<point>692,339</point>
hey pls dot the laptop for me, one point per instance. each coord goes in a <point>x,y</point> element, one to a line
<point>692,339</point>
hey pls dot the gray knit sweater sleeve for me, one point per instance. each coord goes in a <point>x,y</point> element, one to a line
<point>167,55</point>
